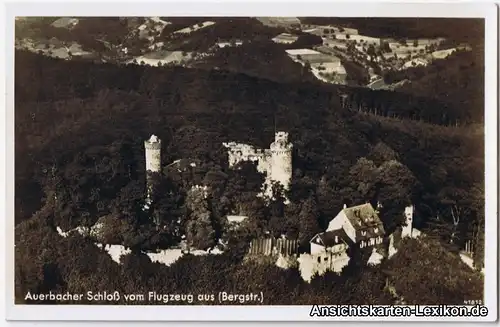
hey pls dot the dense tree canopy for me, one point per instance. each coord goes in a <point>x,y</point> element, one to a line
<point>453,281</point>
<point>456,81</point>
<point>225,29</point>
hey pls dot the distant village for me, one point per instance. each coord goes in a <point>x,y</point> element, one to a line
<point>325,60</point>
<point>346,43</point>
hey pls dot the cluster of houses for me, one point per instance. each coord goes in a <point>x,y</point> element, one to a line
<point>325,59</point>
<point>324,66</point>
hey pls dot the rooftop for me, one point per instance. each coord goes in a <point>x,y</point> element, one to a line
<point>296,52</point>
<point>365,220</point>
<point>286,36</point>
<point>311,30</point>
<point>362,215</point>
<point>331,238</point>
<point>236,219</point>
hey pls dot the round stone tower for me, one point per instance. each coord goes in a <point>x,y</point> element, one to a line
<point>153,154</point>
<point>281,159</point>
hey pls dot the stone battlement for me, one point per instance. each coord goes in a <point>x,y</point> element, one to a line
<point>281,151</point>
<point>152,146</point>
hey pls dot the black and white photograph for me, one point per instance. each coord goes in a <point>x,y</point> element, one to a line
<point>249,161</point>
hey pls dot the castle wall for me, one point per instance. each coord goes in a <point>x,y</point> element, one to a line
<point>263,165</point>
<point>319,263</point>
<point>238,152</point>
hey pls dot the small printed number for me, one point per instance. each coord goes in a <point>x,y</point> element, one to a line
<point>473,302</point>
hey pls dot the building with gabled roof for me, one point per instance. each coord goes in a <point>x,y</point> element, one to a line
<point>330,241</point>
<point>361,223</point>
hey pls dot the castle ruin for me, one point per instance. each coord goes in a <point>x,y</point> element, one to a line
<point>275,162</point>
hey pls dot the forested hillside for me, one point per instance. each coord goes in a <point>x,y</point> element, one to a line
<point>263,59</point>
<point>79,133</point>
<point>457,81</point>
<point>225,29</point>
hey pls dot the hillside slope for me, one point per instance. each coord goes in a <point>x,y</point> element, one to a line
<point>424,272</point>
